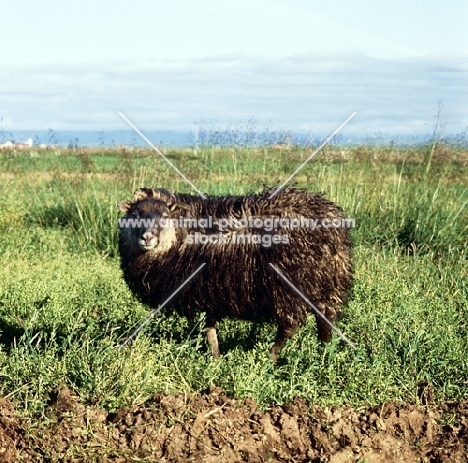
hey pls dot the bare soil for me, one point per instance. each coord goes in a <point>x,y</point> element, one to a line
<point>214,428</point>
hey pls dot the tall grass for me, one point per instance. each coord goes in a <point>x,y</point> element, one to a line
<point>395,201</point>
<point>64,306</point>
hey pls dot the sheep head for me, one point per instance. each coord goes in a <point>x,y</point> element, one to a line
<point>147,223</point>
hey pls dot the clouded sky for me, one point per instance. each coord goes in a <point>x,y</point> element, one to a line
<point>295,64</point>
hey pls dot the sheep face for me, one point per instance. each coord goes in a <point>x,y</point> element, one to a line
<point>145,225</point>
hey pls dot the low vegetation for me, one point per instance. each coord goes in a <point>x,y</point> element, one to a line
<point>64,307</point>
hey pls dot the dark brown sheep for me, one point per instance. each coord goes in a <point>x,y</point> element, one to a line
<point>237,280</point>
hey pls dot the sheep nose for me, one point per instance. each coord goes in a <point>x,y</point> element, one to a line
<point>147,237</point>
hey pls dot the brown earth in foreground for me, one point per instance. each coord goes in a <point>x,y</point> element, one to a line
<point>213,428</point>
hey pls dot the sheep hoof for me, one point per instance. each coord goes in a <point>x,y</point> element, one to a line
<point>273,354</point>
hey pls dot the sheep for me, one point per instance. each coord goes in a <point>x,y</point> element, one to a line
<point>237,282</point>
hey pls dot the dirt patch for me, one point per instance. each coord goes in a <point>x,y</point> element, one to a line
<point>212,427</point>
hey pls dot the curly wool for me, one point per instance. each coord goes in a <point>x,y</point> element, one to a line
<point>237,281</point>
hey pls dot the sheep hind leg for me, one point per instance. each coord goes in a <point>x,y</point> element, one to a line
<point>212,338</point>
<point>324,330</point>
<point>283,334</point>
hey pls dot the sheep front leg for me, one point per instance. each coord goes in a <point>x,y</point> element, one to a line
<point>283,334</point>
<point>212,338</point>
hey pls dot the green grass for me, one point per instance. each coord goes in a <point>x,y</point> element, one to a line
<point>64,307</point>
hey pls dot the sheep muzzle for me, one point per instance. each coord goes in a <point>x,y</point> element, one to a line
<point>148,240</point>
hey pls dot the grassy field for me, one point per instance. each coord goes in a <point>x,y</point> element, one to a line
<point>64,306</point>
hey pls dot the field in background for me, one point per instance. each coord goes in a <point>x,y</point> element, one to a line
<point>64,306</point>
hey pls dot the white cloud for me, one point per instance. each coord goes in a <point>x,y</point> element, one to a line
<point>53,31</point>
<point>307,92</point>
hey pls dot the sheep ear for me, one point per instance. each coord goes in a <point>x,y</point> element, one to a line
<point>124,206</point>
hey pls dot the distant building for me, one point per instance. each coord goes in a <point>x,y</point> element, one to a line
<point>9,144</point>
